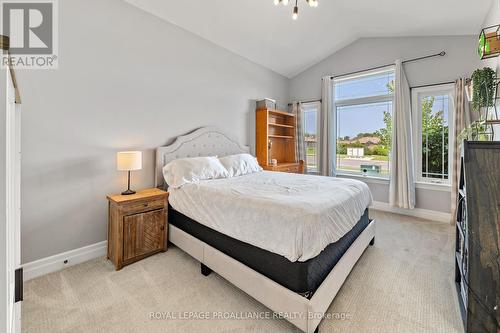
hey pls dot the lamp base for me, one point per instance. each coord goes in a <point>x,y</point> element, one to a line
<point>128,192</point>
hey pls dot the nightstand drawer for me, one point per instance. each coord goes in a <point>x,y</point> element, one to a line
<point>142,206</point>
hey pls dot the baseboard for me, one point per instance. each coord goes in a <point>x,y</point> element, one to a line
<point>62,260</point>
<point>417,212</point>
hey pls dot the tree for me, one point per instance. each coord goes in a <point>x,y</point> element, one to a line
<point>385,134</point>
<point>434,140</point>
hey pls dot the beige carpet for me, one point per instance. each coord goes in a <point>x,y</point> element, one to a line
<point>402,284</point>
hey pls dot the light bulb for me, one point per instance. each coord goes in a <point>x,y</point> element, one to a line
<point>295,14</point>
<point>285,2</point>
<point>315,3</point>
<point>310,3</point>
<point>276,2</point>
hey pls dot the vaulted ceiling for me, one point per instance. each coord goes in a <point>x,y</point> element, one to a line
<point>265,34</point>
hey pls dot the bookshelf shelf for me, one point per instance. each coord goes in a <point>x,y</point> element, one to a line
<point>276,140</point>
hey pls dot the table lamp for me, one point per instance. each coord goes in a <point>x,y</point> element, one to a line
<point>128,161</point>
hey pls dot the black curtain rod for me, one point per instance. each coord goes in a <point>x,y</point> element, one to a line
<point>432,84</point>
<point>310,101</point>
<point>440,54</point>
<point>413,87</point>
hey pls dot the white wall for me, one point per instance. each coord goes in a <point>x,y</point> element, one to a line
<point>460,61</point>
<point>493,18</point>
<point>4,279</point>
<point>127,80</point>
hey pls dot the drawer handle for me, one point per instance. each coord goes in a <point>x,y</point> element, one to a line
<point>145,204</point>
<point>162,227</point>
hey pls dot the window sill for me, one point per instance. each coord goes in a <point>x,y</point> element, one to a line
<point>368,179</point>
<point>433,186</point>
<point>385,181</point>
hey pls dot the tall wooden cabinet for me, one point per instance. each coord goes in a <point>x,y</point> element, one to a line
<point>275,138</point>
<point>477,256</point>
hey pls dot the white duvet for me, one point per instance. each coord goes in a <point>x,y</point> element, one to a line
<point>292,215</point>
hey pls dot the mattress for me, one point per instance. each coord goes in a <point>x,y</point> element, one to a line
<point>291,215</point>
<point>301,277</point>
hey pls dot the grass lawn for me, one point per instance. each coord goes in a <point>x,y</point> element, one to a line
<point>311,151</point>
<point>373,157</point>
<point>379,158</point>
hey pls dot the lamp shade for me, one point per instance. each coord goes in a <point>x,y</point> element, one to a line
<point>129,160</point>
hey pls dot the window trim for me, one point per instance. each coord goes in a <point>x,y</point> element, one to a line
<point>437,90</point>
<point>360,101</point>
<point>312,105</point>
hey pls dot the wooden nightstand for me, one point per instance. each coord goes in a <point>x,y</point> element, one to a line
<point>137,226</point>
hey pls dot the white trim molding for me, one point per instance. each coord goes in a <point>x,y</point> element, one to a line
<point>366,179</point>
<point>63,260</point>
<point>426,214</point>
<point>433,186</point>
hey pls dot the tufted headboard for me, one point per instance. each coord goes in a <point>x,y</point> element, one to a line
<point>205,141</point>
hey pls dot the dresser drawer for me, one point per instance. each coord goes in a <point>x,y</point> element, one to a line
<point>288,168</point>
<point>141,206</point>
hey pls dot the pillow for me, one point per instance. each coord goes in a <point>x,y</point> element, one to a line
<point>192,170</point>
<point>240,164</point>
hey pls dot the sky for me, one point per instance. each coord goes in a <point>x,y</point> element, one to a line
<point>356,119</point>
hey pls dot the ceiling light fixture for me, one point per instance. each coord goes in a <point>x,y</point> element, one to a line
<point>295,13</point>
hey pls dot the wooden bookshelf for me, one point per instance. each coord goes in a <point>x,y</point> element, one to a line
<point>275,138</point>
<point>477,276</point>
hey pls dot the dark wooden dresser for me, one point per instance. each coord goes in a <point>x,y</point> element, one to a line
<point>477,256</point>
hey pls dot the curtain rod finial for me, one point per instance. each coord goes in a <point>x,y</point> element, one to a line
<point>442,54</point>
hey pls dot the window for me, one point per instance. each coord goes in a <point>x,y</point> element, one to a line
<point>363,106</point>
<point>433,134</point>
<point>311,126</point>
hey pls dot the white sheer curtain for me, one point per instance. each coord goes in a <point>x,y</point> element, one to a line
<point>327,148</point>
<point>300,150</point>
<point>402,184</point>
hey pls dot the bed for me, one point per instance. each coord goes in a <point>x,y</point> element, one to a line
<point>262,233</point>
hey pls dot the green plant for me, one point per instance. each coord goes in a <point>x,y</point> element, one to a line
<point>483,82</point>
<point>484,46</point>
<point>475,131</point>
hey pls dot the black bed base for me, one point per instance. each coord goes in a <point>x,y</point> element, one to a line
<point>205,270</point>
<point>301,277</point>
